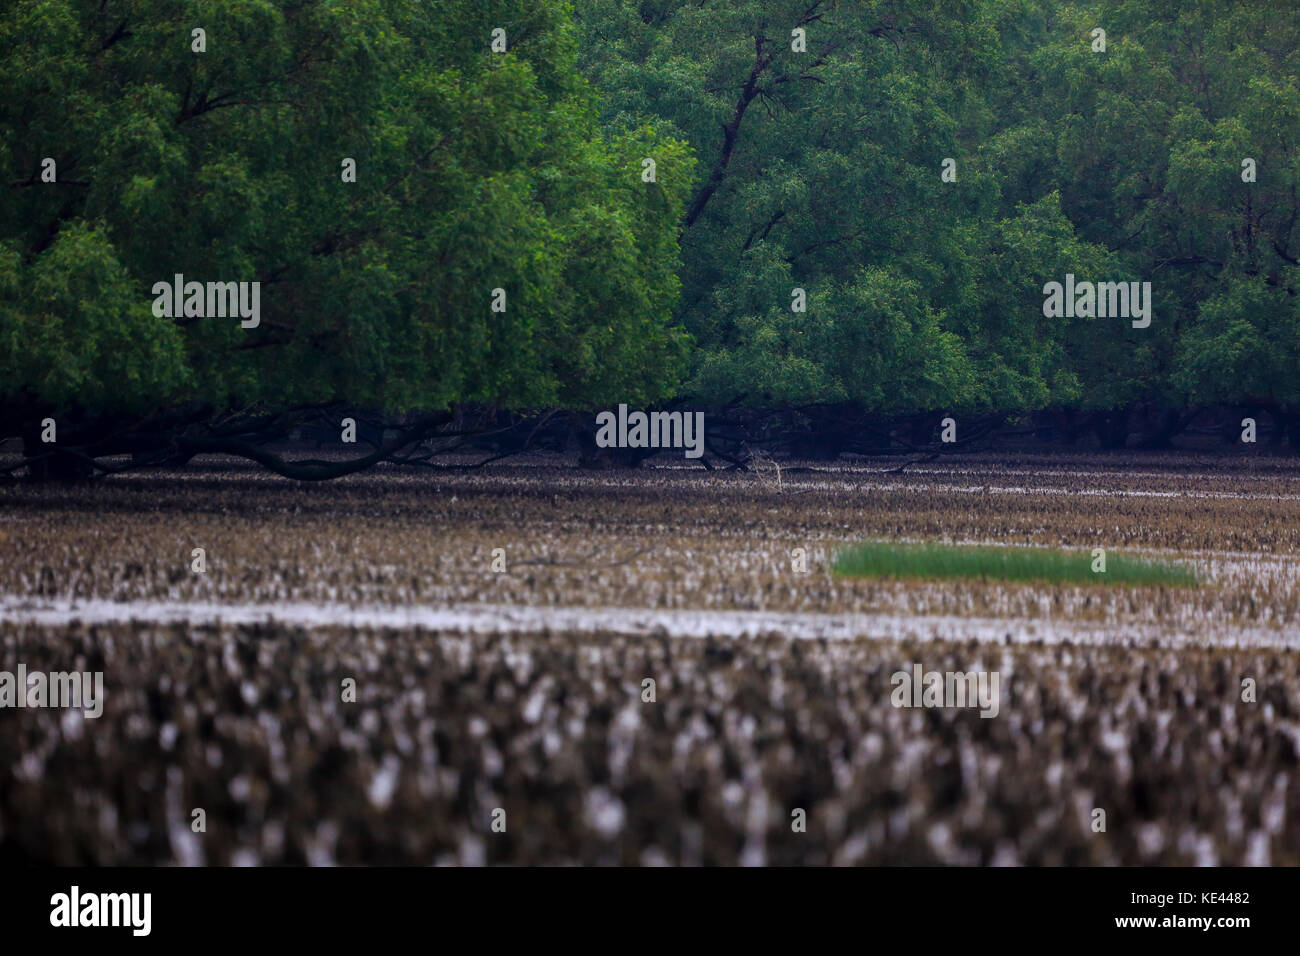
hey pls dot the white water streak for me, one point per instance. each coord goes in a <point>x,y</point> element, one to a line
<point>635,622</point>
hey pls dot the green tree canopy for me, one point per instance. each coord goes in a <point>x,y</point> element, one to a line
<point>821,169</point>
<point>476,170</point>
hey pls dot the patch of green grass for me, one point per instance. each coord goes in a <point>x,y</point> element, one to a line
<point>883,559</point>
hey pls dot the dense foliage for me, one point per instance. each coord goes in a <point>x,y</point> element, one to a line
<point>798,145</point>
<point>476,170</point>
<point>822,170</point>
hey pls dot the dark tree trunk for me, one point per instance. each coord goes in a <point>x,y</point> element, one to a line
<point>49,462</point>
<point>1112,428</point>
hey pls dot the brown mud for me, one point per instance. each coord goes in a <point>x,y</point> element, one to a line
<point>245,721</point>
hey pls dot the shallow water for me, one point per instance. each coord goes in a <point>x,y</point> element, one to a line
<point>631,622</point>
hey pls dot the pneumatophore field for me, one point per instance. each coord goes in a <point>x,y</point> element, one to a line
<point>539,664</point>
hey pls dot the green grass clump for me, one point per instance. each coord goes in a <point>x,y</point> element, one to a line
<point>882,559</point>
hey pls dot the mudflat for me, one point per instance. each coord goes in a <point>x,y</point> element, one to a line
<point>500,625</point>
